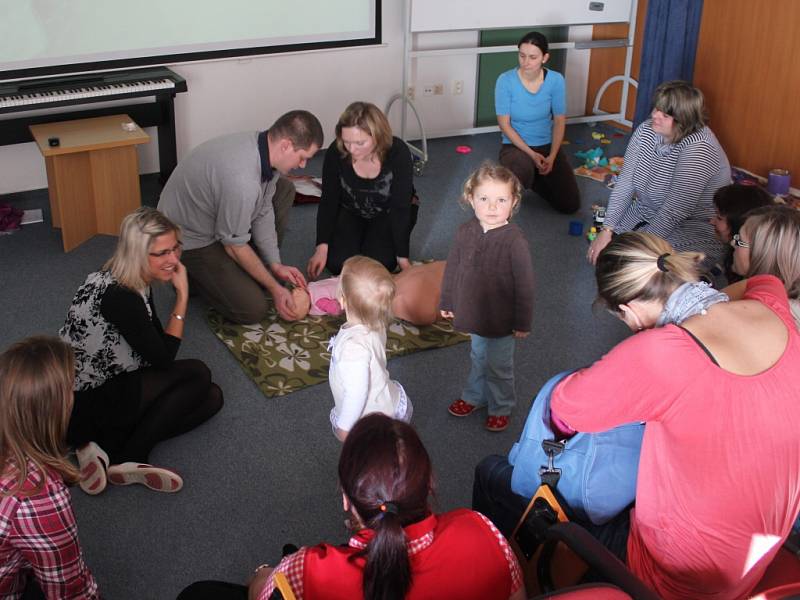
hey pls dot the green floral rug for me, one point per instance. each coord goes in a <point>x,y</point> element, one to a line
<point>282,357</point>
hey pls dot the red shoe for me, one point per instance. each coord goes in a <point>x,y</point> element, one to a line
<point>93,463</point>
<point>495,423</point>
<point>459,408</point>
<point>156,478</point>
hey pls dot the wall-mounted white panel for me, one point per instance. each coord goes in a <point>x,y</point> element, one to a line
<point>451,15</point>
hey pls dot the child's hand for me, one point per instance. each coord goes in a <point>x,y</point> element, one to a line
<point>520,334</point>
<point>447,314</point>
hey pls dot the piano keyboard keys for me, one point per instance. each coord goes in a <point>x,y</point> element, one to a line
<point>68,94</point>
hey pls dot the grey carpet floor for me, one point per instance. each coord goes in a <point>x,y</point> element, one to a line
<point>263,471</point>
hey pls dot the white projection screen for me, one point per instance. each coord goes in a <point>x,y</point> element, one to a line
<point>43,37</point>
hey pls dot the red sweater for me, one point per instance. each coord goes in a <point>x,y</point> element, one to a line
<point>719,476</point>
<point>459,554</point>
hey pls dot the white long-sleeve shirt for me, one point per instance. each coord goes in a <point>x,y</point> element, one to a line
<point>359,378</point>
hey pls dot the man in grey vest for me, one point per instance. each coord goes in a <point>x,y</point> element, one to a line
<point>232,205</point>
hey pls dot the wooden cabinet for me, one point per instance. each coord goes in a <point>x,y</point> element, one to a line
<point>92,174</point>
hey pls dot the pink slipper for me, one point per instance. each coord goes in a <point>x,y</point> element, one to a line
<point>155,478</point>
<point>93,463</point>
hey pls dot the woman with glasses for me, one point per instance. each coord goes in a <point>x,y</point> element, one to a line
<point>731,205</point>
<point>769,242</point>
<point>673,166</point>
<point>130,391</point>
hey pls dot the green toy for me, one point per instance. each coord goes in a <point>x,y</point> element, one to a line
<point>592,158</point>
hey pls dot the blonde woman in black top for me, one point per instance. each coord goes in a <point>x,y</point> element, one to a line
<point>130,391</point>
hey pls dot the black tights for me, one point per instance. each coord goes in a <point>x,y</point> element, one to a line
<point>174,401</point>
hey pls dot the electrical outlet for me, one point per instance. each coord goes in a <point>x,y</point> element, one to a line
<point>438,89</point>
<point>428,90</point>
<point>410,93</point>
<point>458,87</point>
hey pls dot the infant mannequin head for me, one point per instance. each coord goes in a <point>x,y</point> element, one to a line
<point>302,302</point>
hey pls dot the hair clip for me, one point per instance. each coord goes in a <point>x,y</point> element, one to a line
<point>388,507</point>
<point>661,263</point>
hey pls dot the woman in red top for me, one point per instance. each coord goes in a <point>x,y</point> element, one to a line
<point>40,556</point>
<point>399,549</point>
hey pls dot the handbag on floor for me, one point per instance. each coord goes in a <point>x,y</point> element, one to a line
<point>595,473</point>
<point>10,218</point>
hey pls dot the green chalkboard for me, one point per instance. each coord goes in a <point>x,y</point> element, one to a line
<point>491,65</point>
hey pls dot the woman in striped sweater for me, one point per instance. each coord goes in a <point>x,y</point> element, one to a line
<point>673,166</point>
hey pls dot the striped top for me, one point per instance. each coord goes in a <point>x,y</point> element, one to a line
<point>667,189</point>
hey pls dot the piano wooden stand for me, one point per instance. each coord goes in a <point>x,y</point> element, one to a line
<point>92,175</point>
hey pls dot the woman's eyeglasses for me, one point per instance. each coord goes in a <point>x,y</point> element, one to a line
<point>739,242</point>
<point>176,250</point>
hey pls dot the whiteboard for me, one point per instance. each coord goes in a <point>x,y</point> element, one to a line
<point>40,37</point>
<point>454,15</point>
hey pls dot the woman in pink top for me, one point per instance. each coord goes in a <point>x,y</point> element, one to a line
<point>719,476</point>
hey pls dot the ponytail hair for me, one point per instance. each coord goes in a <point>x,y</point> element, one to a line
<point>642,266</point>
<point>385,472</point>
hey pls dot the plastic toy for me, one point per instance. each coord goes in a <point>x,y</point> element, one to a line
<point>603,170</point>
<point>463,149</point>
<point>599,214</point>
<point>592,158</point>
<point>592,234</point>
<point>596,135</point>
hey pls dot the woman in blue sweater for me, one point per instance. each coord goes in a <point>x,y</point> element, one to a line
<point>531,107</point>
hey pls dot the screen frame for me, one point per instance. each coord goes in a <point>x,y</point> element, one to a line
<point>188,57</point>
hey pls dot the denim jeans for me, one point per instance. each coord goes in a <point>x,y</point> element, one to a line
<point>491,377</point>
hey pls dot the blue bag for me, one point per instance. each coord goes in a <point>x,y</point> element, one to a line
<point>598,470</point>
